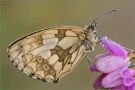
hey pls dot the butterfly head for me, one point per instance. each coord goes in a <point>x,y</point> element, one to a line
<point>92,29</point>
<point>92,33</point>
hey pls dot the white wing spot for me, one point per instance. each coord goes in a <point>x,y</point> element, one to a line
<point>50,41</point>
<point>58,67</point>
<point>53,59</point>
<point>33,66</point>
<point>45,36</point>
<point>45,54</point>
<point>66,42</point>
<point>28,40</point>
<point>70,33</point>
<point>43,48</point>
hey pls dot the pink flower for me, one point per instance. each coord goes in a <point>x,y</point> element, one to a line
<point>120,87</point>
<point>114,67</point>
<point>123,87</point>
<point>113,47</point>
<point>132,87</point>
<point>127,73</point>
<point>108,63</point>
<point>98,81</point>
<point>93,67</point>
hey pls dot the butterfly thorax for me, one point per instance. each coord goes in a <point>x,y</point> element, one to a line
<point>91,38</point>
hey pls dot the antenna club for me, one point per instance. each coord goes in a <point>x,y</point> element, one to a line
<point>112,11</point>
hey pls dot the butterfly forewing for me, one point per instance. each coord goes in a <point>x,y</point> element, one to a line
<point>48,54</point>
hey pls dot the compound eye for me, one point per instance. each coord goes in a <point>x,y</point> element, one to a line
<point>92,27</point>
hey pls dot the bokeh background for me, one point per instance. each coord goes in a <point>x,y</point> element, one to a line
<point>20,17</point>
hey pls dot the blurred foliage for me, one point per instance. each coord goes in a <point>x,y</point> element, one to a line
<point>20,17</point>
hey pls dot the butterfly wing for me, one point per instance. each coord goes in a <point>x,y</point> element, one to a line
<point>48,54</point>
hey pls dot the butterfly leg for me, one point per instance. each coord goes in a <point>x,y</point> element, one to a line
<point>88,59</point>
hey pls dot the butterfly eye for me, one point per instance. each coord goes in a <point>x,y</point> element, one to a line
<point>45,67</point>
<point>39,43</point>
<point>93,27</point>
<point>39,59</point>
<point>52,72</point>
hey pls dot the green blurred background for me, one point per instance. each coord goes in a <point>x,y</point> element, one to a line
<point>20,17</point>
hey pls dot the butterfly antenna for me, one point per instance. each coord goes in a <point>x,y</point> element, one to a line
<point>109,12</point>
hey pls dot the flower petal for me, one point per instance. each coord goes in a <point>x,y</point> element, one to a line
<point>101,56</point>
<point>110,63</point>
<point>127,72</point>
<point>97,82</point>
<point>129,81</point>
<point>113,47</point>
<point>120,87</point>
<point>132,87</point>
<point>93,67</point>
<point>112,80</point>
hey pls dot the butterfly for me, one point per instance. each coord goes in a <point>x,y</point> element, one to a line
<point>51,53</point>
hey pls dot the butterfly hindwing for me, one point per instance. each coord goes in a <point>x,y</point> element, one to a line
<point>48,54</point>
